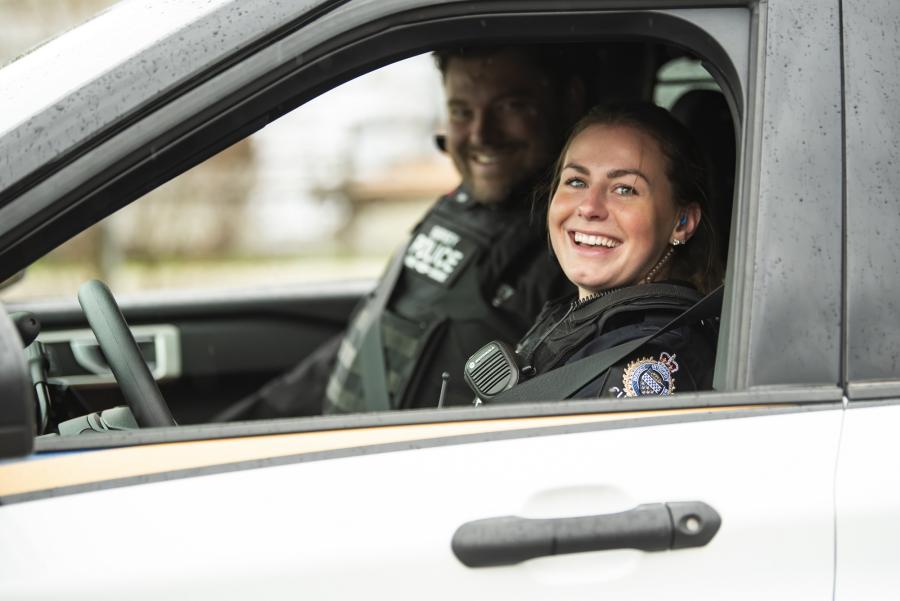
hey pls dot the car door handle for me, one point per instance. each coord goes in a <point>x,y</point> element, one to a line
<point>510,540</point>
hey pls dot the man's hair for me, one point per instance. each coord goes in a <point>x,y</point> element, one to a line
<point>557,61</point>
<point>698,262</point>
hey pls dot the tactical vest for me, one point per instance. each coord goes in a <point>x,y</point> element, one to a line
<point>566,332</point>
<point>471,273</point>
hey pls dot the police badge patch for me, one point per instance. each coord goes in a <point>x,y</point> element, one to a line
<point>650,377</point>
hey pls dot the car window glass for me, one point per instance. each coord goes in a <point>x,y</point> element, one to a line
<point>324,193</point>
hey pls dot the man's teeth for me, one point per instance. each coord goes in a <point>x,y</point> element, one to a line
<point>591,240</point>
<point>484,159</point>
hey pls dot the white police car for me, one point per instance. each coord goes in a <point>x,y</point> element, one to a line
<point>782,483</point>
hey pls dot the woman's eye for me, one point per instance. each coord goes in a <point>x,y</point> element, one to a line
<point>624,190</point>
<point>575,182</point>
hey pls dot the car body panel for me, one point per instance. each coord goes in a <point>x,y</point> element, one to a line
<point>872,75</point>
<point>382,524</point>
<point>867,497</point>
<point>57,473</point>
<point>794,182</point>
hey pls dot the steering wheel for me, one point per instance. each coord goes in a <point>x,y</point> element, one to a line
<point>123,356</point>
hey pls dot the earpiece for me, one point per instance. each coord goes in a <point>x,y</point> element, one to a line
<point>683,219</point>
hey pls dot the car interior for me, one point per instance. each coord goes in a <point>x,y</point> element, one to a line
<point>207,350</point>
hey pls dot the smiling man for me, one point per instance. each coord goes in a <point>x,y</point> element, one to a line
<point>506,112</point>
<point>477,267</point>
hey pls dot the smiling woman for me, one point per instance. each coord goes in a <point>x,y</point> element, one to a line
<point>612,218</point>
<point>628,224</point>
<point>628,197</point>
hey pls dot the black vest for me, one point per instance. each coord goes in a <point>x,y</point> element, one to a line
<point>471,273</point>
<point>567,331</point>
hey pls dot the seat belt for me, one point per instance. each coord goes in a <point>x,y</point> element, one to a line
<point>371,350</point>
<point>568,379</point>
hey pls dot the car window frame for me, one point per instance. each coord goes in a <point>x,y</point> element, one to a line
<point>871,249</point>
<point>768,279</point>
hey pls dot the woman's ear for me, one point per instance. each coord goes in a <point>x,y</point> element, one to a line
<point>686,223</point>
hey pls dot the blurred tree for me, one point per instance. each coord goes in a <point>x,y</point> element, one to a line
<point>198,214</point>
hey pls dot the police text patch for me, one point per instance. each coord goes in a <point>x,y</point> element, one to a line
<point>438,254</point>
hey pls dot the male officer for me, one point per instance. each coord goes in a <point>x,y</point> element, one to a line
<point>477,266</point>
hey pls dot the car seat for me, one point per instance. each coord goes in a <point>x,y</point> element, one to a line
<point>706,115</point>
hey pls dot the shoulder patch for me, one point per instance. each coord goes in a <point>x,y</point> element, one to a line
<point>650,377</point>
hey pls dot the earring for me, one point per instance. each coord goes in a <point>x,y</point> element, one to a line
<point>676,242</point>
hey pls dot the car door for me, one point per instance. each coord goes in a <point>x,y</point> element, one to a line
<point>340,506</point>
<point>380,519</point>
<point>868,488</point>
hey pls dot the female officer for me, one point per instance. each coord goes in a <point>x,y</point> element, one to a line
<point>627,223</point>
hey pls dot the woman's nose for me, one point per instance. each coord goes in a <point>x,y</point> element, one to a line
<point>592,205</point>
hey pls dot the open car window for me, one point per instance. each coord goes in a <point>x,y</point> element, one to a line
<point>323,195</point>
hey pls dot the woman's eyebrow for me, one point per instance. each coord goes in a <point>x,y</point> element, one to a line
<point>577,167</point>
<point>622,172</point>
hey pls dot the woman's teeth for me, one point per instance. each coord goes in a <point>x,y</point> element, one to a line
<point>591,240</point>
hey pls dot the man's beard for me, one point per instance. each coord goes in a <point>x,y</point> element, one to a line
<point>523,190</point>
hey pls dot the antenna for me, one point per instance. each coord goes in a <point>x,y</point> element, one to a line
<point>445,377</point>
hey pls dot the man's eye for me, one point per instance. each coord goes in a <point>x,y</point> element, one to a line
<point>514,106</point>
<point>459,114</point>
<point>624,190</point>
<point>575,182</point>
